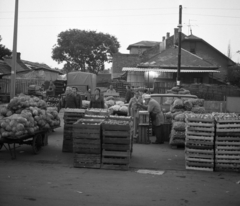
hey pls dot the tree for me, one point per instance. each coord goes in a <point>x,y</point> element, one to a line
<point>4,51</point>
<point>84,50</point>
<point>234,75</point>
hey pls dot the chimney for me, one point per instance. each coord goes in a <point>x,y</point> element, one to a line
<point>168,35</point>
<point>175,39</point>
<point>18,56</point>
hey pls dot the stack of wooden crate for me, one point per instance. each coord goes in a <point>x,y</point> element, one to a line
<point>227,145</point>
<point>199,144</point>
<point>70,117</point>
<point>87,143</point>
<point>116,145</point>
<point>143,133</point>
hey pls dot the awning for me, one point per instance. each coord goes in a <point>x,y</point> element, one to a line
<point>135,69</point>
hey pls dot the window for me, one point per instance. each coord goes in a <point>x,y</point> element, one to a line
<point>197,80</point>
<point>193,47</point>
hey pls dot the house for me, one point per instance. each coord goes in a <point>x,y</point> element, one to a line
<point>163,68</point>
<point>140,47</point>
<point>193,48</point>
<point>209,53</point>
<point>28,69</point>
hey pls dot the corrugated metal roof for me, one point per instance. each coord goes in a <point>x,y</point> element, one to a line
<point>135,69</point>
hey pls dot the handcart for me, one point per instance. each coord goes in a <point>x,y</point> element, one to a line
<point>36,140</point>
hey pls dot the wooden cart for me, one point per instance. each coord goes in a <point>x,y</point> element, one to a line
<point>36,140</point>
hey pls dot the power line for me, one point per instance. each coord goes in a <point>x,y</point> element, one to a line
<point>133,9</point>
<point>69,17</point>
<point>237,17</point>
<point>212,8</point>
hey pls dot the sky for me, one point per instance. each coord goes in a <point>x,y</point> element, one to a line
<point>130,21</point>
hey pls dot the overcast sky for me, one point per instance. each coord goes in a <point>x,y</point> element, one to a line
<point>130,21</point>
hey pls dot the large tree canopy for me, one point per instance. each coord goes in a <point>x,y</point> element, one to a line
<point>84,50</point>
<point>4,51</point>
<point>234,75</point>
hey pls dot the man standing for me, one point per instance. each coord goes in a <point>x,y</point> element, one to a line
<point>128,94</point>
<point>78,97</point>
<point>111,90</point>
<point>156,116</point>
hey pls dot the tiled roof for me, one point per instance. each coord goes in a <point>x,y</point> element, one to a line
<point>20,67</point>
<point>143,44</point>
<point>195,38</point>
<point>4,68</point>
<point>36,64</point>
<point>169,59</point>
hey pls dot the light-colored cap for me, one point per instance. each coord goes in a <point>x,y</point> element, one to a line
<point>147,96</point>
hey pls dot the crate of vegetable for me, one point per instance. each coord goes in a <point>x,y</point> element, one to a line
<point>96,111</point>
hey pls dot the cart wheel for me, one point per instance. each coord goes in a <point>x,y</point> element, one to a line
<point>37,143</point>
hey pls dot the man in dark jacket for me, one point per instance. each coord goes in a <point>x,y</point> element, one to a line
<point>128,94</point>
<point>69,101</point>
<point>78,97</point>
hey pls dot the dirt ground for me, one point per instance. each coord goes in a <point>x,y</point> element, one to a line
<point>49,178</point>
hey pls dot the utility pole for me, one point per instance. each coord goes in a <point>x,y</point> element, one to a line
<point>179,44</point>
<point>14,52</point>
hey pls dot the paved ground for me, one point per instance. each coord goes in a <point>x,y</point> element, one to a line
<point>50,179</point>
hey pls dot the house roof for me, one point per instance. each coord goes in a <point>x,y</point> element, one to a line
<point>4,68</point>
<point>169,59</point>
<point>20,67</point>
<point>145,44</point>
<point>195,38</point>
<point>39,66</point>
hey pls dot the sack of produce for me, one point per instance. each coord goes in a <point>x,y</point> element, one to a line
<point>178,104</point>
<point>124,109</point>
<point>120,103</point>
<point>110,103</point>
<point>168,100</point>
<point>176,113</point>
<point>184,92</point>
<point>175,89</point>
<point>115,108</point>
<point>188,105</point>
<point>177,138</point>
<point>180,117</point>
<point>85,104</point>
<point>198,110</point>
<point>178,126</point>
<point>197,102</point>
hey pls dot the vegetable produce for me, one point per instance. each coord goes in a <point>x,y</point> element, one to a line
<point>198,110</point>
<point>178,104</point>
<point>226,116</point>
<point>26,115</point>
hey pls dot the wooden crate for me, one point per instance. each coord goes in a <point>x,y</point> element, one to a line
<point>97,112</point>
<point>200,128</point>
<point>227,151</point>
<point>228,126</point>
<point>87,137</point>
<point>199,144</point>
<point>143,118</point>
<point>115,159</point>
<point>72,115</point>
<point>143,136</point>
<point>87,160</point>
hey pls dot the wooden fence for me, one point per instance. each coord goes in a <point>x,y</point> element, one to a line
<point>21,85</point>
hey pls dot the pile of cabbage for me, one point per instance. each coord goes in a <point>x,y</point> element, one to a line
<point>25,115</point>
<point>119,107</point>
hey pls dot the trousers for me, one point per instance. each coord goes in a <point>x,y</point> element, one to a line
<point>158,130</point>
